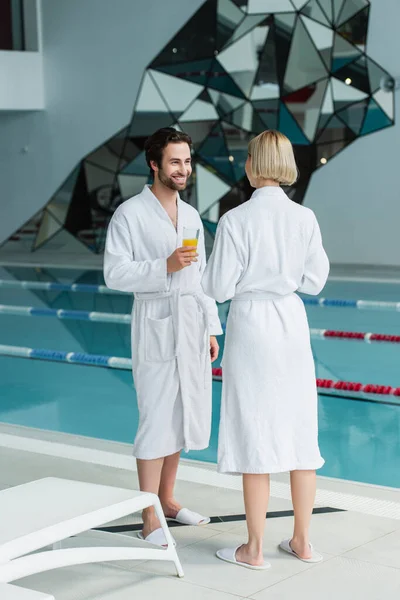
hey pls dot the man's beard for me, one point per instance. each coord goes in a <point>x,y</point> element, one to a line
<point>170,183</point>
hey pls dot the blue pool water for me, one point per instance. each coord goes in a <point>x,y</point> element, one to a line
<point>359,440</point>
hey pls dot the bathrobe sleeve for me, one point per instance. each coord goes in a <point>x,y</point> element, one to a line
<point>122,272</point>
<point>213,318</point>
<point>316,266</point>
<point>225,265</point>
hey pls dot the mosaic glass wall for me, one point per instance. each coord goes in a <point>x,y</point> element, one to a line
<point>235,69</point>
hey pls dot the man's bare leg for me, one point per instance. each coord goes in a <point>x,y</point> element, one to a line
<point>167,485</point>
<point>149,473</point>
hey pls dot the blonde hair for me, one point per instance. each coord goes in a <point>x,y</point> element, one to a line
<point>271,157</point>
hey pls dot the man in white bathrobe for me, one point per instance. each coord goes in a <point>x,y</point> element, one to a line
<point>173,323</point>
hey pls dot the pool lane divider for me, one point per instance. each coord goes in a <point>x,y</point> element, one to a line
<point>341,386</point>
<point>103,289</point>
<point>53,286</point>
<point>355,335</point>
<point>118,362</point>
<point>80,315</point>
<point>360,304</point>
<point>125,319</point>
<point>79,358</point>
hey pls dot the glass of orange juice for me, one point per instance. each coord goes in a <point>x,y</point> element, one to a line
<point>190,237</point>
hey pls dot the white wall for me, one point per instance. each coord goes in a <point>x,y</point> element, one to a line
<point>95,52</point>
<point>21,81</point>
<point>356,196</point>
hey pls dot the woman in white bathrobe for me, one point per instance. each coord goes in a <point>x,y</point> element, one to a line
<point>265,251</point>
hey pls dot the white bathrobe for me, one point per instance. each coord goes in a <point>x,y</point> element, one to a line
<point>265,250</point>
<point>171,323</point>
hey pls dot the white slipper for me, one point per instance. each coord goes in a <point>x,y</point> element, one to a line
<point>189,517</point>
<point>315,558</point>
<point>156,537</point>
<point>229,555</point>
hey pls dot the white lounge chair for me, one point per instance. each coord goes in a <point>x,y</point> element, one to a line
<point>44,512</point>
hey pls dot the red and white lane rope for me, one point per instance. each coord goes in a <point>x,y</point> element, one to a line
<point>355,335</point>
<point>125,319</point>
<point>118,362</point>
<point>341,386</point>
<point>350,386</point>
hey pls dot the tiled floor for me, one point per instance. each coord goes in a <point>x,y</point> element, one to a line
<point>361,551</point>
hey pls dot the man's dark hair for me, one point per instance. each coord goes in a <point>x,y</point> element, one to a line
<point>155,144</point>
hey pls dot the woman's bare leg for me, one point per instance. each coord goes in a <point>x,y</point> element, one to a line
<point>256,497</point>
<point>303,487</point>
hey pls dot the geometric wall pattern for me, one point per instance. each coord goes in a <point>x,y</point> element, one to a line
<point>235,68</point>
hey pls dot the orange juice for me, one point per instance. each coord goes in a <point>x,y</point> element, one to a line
<point>190,242</point>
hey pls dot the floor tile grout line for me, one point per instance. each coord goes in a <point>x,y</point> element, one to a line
<point>343,554</point>
<point>379,537</point>
<point>185,581</point>
<point>305,570</point>
<point>207,587</point>
<point>307,567</point>
<point>335,555</point>
<point>370,562</point>
<point>344,500</point>
<point>216,534</point>
<point>320,565</point>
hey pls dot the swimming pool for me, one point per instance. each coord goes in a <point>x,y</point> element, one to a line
<point>359,440</point>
